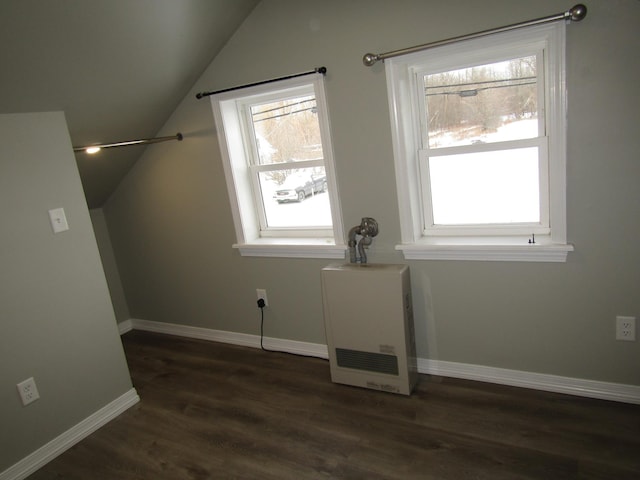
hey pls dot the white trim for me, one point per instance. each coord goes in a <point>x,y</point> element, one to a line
<point>616,392</point>
<point>68,439</point>
<point>241,188</point>
<point>298,348</point>
<point>485,153</point>
<point>406,140</point>
<point>234,338</point>
<point>287,247</point>
<point>505,253</point>
<point>124,327</point>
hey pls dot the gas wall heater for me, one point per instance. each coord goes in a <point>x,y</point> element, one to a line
<point>368,317</point>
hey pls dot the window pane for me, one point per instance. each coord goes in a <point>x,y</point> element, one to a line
<point>296,198</point>
<point>499,187</point>
<point>483,104</point>
<point>287,130</point>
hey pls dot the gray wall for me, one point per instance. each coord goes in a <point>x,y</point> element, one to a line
<point>172,230</point>
<point>56,319</point>
<point>109,265</point>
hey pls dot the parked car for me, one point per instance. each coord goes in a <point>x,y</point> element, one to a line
<point>298,187</point>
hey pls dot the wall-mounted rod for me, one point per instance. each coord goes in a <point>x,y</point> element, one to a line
<point>144,141</point>
<point>575,14</point>
<point>321,70</point>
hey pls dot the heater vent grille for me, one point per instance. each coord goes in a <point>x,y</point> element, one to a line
<point>372,362</point>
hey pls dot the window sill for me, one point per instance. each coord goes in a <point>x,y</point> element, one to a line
<point>292,248</point>
<point>486,249</point>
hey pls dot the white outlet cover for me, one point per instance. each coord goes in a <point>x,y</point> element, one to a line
<point>262,294</point>
<point>28,391</point>
<point>626,328</point>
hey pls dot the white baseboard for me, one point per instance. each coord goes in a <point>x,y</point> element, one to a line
<point>616,392</point>
<point>68,439</point>
<point>243,339</point>
<point>551,383</point>
<point>124,327</point>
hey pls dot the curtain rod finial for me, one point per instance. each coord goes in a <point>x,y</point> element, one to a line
<point>578,12</point>
<point>370,58</point>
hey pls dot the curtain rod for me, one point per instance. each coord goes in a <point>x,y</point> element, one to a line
<point>144,141</point>
<point>322,70</point>
<point>575,14</point>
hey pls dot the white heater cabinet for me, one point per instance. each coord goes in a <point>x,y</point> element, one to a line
<point>368,317</point>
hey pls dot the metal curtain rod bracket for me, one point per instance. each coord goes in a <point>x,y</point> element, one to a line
<point>322,70</point>
<point>575,14</point>
<point>144,141</point>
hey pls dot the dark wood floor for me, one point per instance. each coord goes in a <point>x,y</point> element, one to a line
<point>215,411</point>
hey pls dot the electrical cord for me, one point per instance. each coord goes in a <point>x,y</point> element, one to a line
<point>261,306</point>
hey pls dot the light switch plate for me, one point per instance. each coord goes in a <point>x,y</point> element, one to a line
<point>58,220</point>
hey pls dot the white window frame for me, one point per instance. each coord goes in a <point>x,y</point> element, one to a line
<point>241,174</point>
<point>417,240</point>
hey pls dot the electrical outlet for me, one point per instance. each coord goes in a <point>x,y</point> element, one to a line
<point>626,328</point>
<point>262,294</point>
<point>28,391</point>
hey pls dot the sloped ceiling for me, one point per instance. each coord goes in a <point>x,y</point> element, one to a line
<point>117,68</point>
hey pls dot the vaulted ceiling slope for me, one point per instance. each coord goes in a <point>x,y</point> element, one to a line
<point>117,68</point>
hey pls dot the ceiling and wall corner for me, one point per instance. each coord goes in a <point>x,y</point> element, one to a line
<point>116,68</point>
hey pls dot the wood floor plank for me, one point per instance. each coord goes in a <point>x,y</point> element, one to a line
<point>215,411</point>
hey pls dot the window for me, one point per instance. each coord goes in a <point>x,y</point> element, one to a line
<point>278,161</point>
<point>479,147</point>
